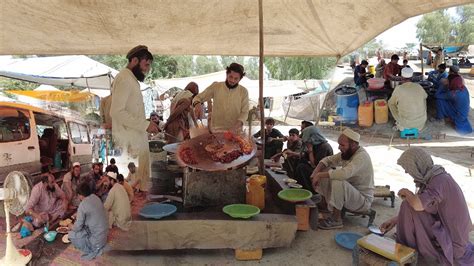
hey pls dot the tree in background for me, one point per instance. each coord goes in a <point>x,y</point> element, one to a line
<point>185,66</point>
<point>369,49</point>
<point>206,64</point>
<point>14,84</point>
<point>464,28</point>
<point>435,27</point>
<point>440,28</point>
<point>284,68</point>
<point>163,66</point>
<point>410,46</point>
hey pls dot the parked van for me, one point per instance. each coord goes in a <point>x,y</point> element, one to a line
<point>31,137</point>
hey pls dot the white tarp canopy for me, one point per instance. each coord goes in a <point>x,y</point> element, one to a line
<point>271,88</point>
<point>72,70</point>
<point>206,27</point>
<point>75,70</point>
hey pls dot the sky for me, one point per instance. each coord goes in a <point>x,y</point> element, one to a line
<point>397,36</point>
<point>405,32</point>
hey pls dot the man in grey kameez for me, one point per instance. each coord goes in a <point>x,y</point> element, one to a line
<point>350,185</point>
<point>89,233</point>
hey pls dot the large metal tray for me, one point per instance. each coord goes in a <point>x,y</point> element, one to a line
<point>204,160</point>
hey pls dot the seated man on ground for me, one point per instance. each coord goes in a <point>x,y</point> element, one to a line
<point>127,187</point>
<point>305,124</point>
<point>71,180</point>
<point>408,103</point>
<point>95,173</point>
<point>453,102</point>
<point>47,201</point>
<point>273,139</point>
<point>89,232</point>
<point>118,205</point>
<point>464,62</point>
<point>292,154</point>
<point>436,76</point>
<point>103,187</point>
<point>350,185</point>
<point>132,177</point>
<point>112,167</point>
<point>316,148</point>
<point>434,220</point>
<point>101,168</point>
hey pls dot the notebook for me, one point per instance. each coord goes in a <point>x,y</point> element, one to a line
<point>386,247</point>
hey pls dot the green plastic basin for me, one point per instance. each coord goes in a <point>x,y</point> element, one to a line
<point>295,194</point>
<point>243,211</point>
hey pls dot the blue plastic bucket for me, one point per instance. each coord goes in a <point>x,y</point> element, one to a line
<point>347,103</point>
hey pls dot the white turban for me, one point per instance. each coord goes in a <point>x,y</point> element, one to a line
<point>351,134</point>
<point>407,72</point>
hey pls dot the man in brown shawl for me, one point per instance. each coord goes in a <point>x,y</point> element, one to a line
<point>181,117</point>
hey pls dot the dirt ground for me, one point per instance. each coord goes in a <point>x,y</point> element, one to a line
<point>319,247</point>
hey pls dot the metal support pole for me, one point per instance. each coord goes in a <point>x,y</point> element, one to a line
<point>260,87</point>
<point>422,67</point>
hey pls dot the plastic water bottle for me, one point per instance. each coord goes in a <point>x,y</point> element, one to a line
<point>46,227</point>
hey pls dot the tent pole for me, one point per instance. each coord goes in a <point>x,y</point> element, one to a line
<point>260,88</point>
<point>289,106</point>
<point>421,57</point>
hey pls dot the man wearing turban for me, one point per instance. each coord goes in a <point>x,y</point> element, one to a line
<point>345,180</point>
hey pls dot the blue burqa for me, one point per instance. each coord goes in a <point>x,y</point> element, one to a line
<point>454,104</point>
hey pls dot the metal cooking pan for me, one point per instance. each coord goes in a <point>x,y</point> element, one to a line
<point>204,161</point>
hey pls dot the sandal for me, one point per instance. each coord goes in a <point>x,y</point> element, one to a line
<point>330,224</point>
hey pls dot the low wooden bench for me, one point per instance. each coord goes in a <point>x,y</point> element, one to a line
<point>306,212</point>
<point>209,230</point>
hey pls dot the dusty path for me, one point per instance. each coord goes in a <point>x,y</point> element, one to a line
<point>319,247</point>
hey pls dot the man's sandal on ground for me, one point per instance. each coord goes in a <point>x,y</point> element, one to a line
<point>329,224</point>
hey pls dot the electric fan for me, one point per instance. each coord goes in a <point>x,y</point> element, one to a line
<point>15,193</point>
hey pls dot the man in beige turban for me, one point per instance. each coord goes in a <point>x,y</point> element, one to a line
<point>345,180</point>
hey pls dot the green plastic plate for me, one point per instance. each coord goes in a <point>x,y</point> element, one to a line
<point>295,194</point>
<point>243,211</point>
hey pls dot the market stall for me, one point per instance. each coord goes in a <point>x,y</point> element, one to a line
<point>310,28</point>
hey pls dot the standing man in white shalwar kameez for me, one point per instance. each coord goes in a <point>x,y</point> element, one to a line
<point>129,123</point>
